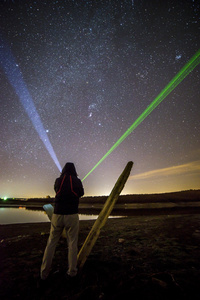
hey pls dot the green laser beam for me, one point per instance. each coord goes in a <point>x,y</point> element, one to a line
<point>188,67</point>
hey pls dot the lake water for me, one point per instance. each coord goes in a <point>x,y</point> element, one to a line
<point>23,215</point>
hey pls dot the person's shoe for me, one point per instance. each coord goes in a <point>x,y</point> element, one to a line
<point>42,283</point>
<point>71,280</point>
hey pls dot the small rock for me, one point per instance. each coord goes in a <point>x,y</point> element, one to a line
<point>159,282</point>
<point>121,241</point>
<point>43,233</point>
<point>101,296</point>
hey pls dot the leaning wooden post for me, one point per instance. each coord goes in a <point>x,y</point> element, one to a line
<point>103,216</point>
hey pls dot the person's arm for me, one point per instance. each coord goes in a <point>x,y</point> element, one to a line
<point>77,186</point>
<point>81,189</point>
<point>57,185</point>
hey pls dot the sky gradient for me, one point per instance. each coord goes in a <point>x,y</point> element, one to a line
<point>83,72</point>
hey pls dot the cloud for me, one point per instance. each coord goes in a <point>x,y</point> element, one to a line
<point>174,170</point>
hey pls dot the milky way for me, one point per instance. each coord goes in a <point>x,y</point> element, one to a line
<point>91,68</point>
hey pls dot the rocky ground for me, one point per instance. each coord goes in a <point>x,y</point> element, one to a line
<point>138,257</point>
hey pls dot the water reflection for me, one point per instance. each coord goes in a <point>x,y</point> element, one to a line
<point>23,215</point>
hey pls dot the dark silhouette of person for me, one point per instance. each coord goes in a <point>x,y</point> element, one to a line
<point>69,189</point>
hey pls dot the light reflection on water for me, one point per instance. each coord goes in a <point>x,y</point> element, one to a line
<point>23,215</point>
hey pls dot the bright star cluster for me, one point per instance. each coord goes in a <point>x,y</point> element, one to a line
<point>91,68</point>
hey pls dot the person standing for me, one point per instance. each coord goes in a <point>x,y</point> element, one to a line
<point>69,189</point>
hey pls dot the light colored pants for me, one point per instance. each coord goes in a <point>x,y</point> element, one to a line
<point>58,223</point>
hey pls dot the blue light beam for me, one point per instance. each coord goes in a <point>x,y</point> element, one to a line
<point>14,75</point>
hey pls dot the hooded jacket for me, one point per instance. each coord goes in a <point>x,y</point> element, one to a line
<point>69,189</point>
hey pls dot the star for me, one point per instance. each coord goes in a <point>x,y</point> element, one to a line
<point>91,70</point>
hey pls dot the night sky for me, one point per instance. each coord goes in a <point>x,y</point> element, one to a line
<point>91,68</point>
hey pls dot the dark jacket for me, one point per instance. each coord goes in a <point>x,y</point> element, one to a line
<point>68,190</point>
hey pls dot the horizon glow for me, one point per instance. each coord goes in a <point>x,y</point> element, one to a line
<point>14,75</point>
<point>188,67</point>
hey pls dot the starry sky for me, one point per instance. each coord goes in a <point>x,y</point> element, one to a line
<point>91,68</point>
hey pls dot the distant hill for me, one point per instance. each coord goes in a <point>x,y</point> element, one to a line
<point>182,196</point>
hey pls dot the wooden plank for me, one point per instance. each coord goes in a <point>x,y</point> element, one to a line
<point>103,216</point>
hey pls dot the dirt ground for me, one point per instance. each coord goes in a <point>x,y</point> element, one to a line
<point>138,257</point>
